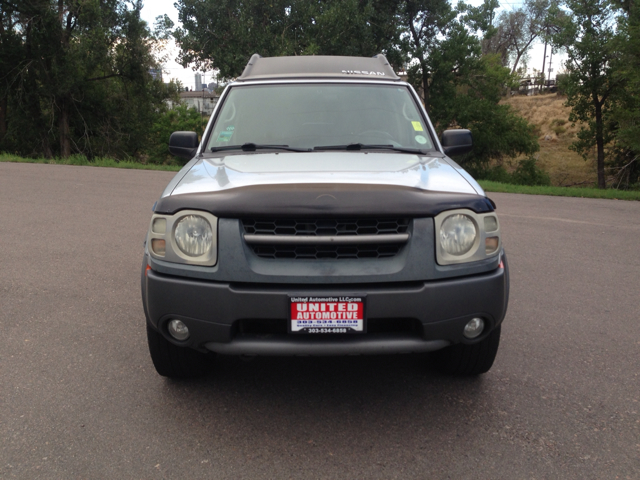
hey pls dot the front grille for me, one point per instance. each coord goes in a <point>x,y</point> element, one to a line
<point>324,238</point>
<point>325,226</point>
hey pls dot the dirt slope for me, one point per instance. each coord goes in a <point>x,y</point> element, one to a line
<point>555,134</point>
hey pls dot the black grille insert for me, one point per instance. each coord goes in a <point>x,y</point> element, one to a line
<point>326,238</point>
<point>325,226</point>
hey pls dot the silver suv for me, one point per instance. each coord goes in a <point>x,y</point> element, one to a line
<point>320,215</point>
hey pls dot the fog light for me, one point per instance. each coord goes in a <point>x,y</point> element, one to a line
<point>472,329</point>
<point>178,330</point>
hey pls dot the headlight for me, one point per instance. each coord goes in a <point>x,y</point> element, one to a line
<point>463,236</point>
<point>194,235</point>
<point>458,234</point>
<point>188,237</point>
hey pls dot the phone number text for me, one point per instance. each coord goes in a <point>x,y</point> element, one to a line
<point>327,330</point>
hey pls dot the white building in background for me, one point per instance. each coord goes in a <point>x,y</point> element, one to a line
<point>204,102</point>
<point>156,73</point>
<point>198,78</point>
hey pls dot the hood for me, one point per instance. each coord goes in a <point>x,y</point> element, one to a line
<point>438,174</point>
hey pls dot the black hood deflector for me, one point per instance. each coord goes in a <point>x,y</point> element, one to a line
<point>323,200</point>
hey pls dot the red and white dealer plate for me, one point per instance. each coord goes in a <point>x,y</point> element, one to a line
<point>339,314</point>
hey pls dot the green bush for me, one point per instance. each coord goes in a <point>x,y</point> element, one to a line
<point>496,173</point>
<point>557,125</point>
<point>529,173</point>
<point>179,118</point>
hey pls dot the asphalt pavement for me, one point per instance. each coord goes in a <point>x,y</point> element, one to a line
<point>79,397</point>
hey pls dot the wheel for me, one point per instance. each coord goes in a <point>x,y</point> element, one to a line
<point>176,362</point>
<point>462,359</point>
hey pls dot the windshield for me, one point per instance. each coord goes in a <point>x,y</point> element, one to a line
<point>307,116</point>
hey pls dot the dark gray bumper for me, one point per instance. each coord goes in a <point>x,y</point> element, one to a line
<point>369,344</point>
<point>213,311</point>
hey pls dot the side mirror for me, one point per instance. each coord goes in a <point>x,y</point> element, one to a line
<point>184,144</point>
<point>456,142</point>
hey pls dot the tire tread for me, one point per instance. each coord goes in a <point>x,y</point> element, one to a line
<point>173,361</point>
<point>474,359</point>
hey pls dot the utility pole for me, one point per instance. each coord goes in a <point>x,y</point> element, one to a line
<point>203,111</point>
<point>544,56</point>
<point>204,83</point>
<point>546,38</point>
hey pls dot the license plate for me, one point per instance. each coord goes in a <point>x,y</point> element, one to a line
<point>339,314</point>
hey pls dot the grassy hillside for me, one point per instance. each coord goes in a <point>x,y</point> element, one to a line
<point>555,134</point>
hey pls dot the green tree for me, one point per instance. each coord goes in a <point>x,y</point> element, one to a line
<point>433,30</point>
<point>498,131</point>
<point>180,118</point>
<point>589,37</point>
<point>223,34</point>
<point>626,111</point>
<point>82,78</point>
<point>11,52</point>
<point>520,28</point>
<point>461,87</point>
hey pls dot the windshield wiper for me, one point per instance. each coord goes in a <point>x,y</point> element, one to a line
<point>360,146</point>
<point>252,147</point>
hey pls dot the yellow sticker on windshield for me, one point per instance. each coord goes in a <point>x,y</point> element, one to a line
<point>417,126</point>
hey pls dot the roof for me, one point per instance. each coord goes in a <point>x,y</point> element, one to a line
<point>318,66</point>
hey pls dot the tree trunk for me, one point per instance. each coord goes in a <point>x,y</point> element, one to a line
<point>63,129</point>
<point>544,56</point>
<point>46,148</point>
<point>516,61</point>
<point>3,118</point>
<point>3,100</point>
<point>425,90</point>
<point>599,142</point>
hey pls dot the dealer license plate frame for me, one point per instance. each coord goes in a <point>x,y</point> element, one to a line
<point>317,329</point>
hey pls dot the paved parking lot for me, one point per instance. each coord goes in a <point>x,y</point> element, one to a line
<point>79,397</point>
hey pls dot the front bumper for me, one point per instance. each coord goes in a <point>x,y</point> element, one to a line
<point>435,311</point>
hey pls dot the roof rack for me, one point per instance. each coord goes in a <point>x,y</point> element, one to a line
<point>318,66</point>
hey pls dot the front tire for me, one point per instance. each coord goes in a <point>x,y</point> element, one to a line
<point>176,362</point>
<point>463,359</point>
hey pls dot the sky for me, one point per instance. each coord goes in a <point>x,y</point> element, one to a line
<point>154,8</point>
<point>171,69</point>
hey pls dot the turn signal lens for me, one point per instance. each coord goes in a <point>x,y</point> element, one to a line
<point>159,247</point>
<point>491,244</point>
